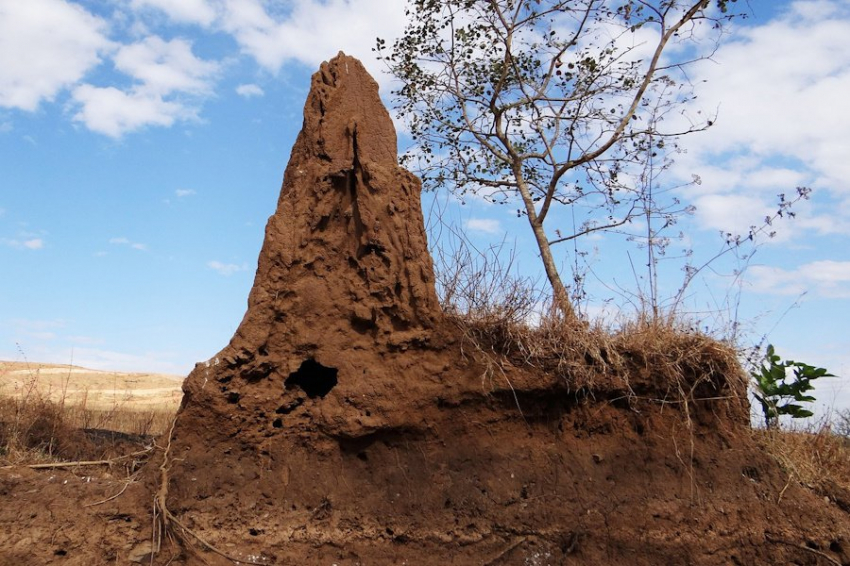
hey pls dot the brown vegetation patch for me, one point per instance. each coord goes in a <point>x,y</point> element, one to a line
<point>817,459</point>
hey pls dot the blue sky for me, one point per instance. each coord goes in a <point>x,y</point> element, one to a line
<point>143,142</point>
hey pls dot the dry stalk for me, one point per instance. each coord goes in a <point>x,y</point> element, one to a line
<point>815,457</point>
<point>788,483</point>
<point>490,360</point>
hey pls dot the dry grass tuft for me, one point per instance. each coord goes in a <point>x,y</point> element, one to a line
<point>651,359</point>
<point>36,430</point>
<point>499,316</point>
<point>817,458</point>
<point>502,317</point>
<point>573,352</point>
<point>664,352</point>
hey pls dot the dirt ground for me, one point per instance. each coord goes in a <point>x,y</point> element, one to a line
<point>569,482</point>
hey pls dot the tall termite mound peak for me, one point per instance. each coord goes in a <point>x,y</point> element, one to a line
<point>345,283</point>
<point>346,248</point>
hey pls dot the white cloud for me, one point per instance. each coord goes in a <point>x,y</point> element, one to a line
<point>312,30</point>
<point>181,193</point>
<point>486,225</point>
<point>814,10</point>
<point>779,89</point>
<point>31,326</point>
<point>185,11</point>
<point>85,340</point>
<point>827,278</point>
<point>23,241</point>
<point>169,78</point>
<point>249,90</point>
<point>101,359</point>
<point>125,242</point>
<point>113,112</point>
<point>21,244</point>
<point>164,67</point>
<point>226,269</point>
<point>731,212</point>
<point>45,46</point>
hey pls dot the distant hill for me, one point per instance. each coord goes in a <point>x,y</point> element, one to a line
<point>95,389</point>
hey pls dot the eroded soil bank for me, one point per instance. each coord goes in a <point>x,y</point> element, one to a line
<point>467,481</point>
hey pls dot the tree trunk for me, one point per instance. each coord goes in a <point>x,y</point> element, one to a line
<point>560,297</point>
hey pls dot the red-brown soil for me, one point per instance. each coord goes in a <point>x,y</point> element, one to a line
<point>349,422</point>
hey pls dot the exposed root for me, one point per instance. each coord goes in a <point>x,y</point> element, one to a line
<point>510,547</point>
<point>490,360</point>
<point>823,555</point>
<point>127,483</point>
<point>161,514</point>
<point>164,521</point>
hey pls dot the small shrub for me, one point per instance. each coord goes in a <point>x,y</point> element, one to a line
<point>780,394</point>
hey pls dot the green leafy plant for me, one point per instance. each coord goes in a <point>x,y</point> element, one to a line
<point>782,394</point>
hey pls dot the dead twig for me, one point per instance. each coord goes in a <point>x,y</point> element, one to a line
<point>781,493</point>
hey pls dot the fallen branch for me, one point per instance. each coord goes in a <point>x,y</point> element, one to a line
<point>59,465</point>
<point>80,463</point>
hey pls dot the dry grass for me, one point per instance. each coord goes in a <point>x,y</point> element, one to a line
<point>503,318</point>
<point>34,429</point>
<point>655,360</point>
<point>661,360</point>
<point>815,457</point>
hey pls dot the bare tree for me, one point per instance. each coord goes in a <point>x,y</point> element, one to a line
<point>549,103</point>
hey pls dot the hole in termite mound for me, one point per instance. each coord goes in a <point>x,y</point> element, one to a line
<point>312,378</point>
